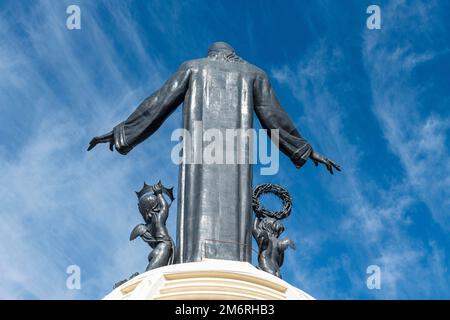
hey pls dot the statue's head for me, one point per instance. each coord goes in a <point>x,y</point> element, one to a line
<point>272,226</point>
<point>222,51</point>
<point>148,203</point>
<point>220,47</point>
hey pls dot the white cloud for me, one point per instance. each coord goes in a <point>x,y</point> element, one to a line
<point>417,138</point>
<point>373,224</point>
<point>59,204</point>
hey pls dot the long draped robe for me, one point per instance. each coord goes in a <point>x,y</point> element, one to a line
<point>214,200</point>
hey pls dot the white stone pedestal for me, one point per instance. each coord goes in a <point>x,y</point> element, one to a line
<point>207,280</point>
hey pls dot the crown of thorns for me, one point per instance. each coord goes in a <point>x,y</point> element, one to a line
<point>280,192</point>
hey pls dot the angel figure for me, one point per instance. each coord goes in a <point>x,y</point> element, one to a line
<point>266,232</point>
<point>154,208</point>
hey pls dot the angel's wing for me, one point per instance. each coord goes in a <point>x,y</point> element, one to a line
<point>138,231</point>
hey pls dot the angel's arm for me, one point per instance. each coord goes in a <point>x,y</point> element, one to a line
<point>284,244</point>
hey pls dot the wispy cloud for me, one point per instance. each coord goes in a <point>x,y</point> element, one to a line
<point>365,105</point>
<point>375,219</point>
<point>417,138</point>
<point>59,204</point>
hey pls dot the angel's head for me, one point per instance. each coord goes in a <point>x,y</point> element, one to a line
<point>148,206</point>
<point>272,226</point>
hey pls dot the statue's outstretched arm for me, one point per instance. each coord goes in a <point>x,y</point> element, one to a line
<point>149,115</point>
<point>272,116</point>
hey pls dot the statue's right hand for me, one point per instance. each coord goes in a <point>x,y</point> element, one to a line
<point>106,138</point>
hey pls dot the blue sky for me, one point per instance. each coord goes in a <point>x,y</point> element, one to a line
<point>376,101</point>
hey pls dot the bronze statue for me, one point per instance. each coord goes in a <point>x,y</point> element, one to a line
<point>271,249</point>
<point>267,228</point>
<point>154,208</point>
<point>223,91</point>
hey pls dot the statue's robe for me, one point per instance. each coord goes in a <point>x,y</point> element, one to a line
<point>214,200</point>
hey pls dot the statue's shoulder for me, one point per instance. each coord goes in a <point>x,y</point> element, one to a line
<point>241,65</point>
<point>251,68</point>
<point>194,63</point>
<point>258,71</point>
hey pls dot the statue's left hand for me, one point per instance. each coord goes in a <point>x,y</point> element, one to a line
<point>106,138</point>
<point>329,164</point>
